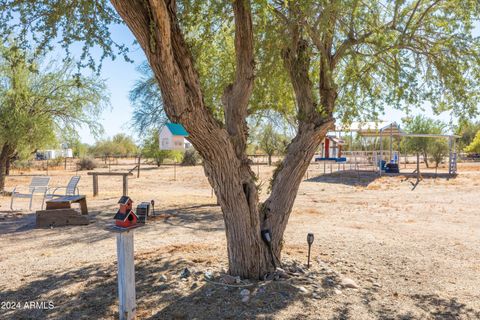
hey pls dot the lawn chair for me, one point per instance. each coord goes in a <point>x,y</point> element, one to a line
<point>70,190</point>
<point>38,186</point>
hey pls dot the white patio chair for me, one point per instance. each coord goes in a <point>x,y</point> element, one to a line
<point>38,186</point>
<point>70,190</point>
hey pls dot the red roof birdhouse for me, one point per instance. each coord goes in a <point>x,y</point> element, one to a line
<point>125,216</point>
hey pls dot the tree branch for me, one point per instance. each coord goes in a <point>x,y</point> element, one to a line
<point>237,95</point>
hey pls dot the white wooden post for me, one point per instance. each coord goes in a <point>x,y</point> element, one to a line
<point>126,275</point>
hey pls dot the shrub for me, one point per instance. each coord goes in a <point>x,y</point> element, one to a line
<point>57,162</point>
<point>190,158</point>
<point>86,164</point>
<point>22,164</point>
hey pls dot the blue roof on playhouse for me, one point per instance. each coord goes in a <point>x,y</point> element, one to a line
<point>177,129</point>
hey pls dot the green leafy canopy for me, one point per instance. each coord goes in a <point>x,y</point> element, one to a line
<point>401,53</point>
<point>40,102</point>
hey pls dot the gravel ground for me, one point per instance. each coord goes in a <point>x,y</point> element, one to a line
<point>381,251</point>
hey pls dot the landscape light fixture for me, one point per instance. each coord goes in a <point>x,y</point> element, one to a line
<point>153,207</point>
<point>267,238</point>
<point>310,238</point>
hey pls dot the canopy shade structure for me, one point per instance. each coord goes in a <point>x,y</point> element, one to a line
<point>373,129</point>
<point>429,135</point>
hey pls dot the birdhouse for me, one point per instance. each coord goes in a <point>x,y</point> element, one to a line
<point>125,216</point>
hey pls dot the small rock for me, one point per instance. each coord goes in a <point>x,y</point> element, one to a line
<point>208,275</point>
<point>245,299</point>
<point>269,276</point>
<point>245,292</point>
<point>163,278</point>
<point>228,279</point>
<point>185,273</point>
<point>336,291</point>
<point>348,283</point>
<point>162,287</point>
<point>329,282</point>
<point>376,284</point>
<point>281,273</point>
<point>303,289</point>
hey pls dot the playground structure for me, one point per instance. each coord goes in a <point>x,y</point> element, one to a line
<point>377,160</point>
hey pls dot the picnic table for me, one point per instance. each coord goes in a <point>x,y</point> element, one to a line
<point>65,202</point>
<point>123,174</point>
<point>59,212</point>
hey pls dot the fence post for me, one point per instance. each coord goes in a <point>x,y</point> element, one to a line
<point>138,168</point>
<point>175,170</point>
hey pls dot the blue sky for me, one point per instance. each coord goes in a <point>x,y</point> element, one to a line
<point>120,77</point>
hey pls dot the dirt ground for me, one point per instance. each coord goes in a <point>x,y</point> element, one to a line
<point>410,254</point>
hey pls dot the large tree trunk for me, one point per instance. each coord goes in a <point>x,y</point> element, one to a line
<point>7,166</point>
<point>5,154</point>
<point>223,146</point>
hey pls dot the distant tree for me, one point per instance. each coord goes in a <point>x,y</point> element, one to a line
<point>39,102</point>
<point>474,146</point>
<point>118,145</point>
<point>146,98</point>
<point>151,149</point>
<point>270,142</point>
<point>438,150</point>
<point>467,131</point>
<point>421,124</point>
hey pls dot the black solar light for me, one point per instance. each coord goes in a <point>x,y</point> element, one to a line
<point>267,238</point>
<point>153,207</point>
<point>309,241</point>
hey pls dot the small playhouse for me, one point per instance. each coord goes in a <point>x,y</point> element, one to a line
<point>331,149</point>
<point>173,136</point>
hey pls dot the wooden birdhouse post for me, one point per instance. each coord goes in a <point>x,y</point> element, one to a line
<point>126,275</point>
<point>125,224</point>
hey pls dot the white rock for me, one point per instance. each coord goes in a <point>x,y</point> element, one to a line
<point>245,299</point>
<point>348,283</point>
<point>245,292</point>
<point>336,291</point>
<point>303,289</point>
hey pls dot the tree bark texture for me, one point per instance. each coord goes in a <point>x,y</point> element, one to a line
<point>5,155</point>
<point>155,25</point>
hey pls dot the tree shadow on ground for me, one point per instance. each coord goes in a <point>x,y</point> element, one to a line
<point>365,178</point>
<point>441,308</point>
<point>347,177</point>
<point>19,222</point>
<point>201,218</point>
<point>90,292</point>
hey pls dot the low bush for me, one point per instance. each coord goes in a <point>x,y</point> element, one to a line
<point>86,164</point>
<point>191,158</point>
